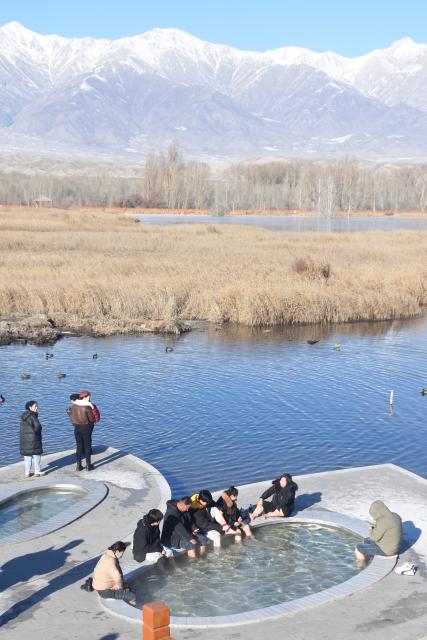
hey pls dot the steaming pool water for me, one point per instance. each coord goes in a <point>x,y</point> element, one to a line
<point>285,562</point>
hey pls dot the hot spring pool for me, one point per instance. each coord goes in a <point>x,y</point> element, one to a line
<point>286,562</point>
<point>34,507</point>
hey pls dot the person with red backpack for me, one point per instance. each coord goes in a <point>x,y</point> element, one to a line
<point>83,416</point>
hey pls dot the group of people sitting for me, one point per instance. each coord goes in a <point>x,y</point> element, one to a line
<point>189,524</point>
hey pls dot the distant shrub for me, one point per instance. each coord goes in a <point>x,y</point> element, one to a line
<point>299,265</point>
<point>312,269</point>
<point>134,201</point>
<point>222,210</point>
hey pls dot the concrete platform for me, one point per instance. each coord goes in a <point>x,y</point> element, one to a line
<point>40,579</point>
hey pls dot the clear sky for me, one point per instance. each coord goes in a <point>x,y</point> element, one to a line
<point>348,27</point>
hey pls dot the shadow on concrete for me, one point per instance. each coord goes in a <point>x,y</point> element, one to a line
<point>70,459</point>
<point>76,574</point>
<point>306,500</point>
<point>111,458</point>
<point>411,533</point>
<point>110,636</point>
<point>25,567</point>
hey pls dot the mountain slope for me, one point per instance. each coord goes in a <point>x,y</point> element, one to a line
<point>112,96</point>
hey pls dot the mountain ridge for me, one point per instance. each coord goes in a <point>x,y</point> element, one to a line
<point>142,91</point>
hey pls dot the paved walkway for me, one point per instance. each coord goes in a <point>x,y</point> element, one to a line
<point>40,579</point>
<point>43,599</point>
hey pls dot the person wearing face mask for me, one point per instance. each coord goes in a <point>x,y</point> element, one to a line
<point>108,576</point>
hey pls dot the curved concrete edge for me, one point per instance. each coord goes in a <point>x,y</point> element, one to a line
<point>95,493</point>
<point>165,495</point>
<point>379,568</point>
<point>162,483</point>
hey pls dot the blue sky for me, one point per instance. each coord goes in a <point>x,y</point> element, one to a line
<point>349,27</point>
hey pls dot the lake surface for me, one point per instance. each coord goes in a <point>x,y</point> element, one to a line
<point>296,223</point>
<point>231,406</point>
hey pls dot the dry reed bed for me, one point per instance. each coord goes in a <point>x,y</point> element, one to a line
<point>105,271</point>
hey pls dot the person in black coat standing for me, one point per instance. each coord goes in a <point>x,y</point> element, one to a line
<point>31,439</point>
<point>282,493</point>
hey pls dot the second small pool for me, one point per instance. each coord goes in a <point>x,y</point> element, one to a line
<point>34,507</point>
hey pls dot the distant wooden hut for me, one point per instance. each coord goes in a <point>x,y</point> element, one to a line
<point>42,201</point>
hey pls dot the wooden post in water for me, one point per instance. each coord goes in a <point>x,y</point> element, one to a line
<point>392,402</point>
<point>155,621</point>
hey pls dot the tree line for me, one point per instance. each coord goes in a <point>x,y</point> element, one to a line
<point>167,180</point>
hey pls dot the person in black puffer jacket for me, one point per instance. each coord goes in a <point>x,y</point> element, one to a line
<point>31,439</point>
<point>146,539</point>
<point>179,530</point>
<point>282,493</point>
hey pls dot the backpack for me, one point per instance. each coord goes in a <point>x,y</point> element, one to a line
<point>95,413</point>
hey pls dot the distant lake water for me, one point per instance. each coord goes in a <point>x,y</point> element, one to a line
<point>296,223</point>
<point>234,405</point>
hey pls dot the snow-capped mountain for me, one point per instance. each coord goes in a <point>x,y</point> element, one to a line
<point>132,94</point>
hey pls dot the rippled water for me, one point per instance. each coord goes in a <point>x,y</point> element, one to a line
<point>232,406</point>
<point>297,223</point>
<point>284,563</point>
<point>34,507</point>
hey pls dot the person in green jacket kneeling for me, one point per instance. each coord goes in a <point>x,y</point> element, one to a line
<point>385,536</point>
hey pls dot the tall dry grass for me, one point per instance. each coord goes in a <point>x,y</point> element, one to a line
<point>100,268</point>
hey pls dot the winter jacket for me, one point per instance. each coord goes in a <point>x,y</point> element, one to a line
<point>107,572</point>
<point>177,525</point>
<point>282,498</point>
<point>81,414</point>
<point>95,412</point>
<point>146,539</point>
<point>387,532</point>
<point>229,509</point>
<point>30,434</point>
<point>201,516</point>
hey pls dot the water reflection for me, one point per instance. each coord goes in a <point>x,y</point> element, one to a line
<point>302,333</point>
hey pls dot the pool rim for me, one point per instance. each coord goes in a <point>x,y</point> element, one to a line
<point>378,569</point>
<point>93,493</point>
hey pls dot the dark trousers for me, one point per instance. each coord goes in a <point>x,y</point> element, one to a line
<point>83,436</point>
<point>117,594</point>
